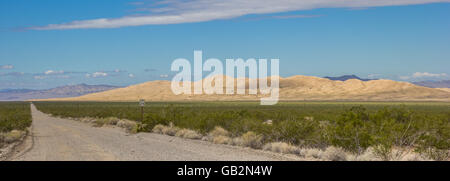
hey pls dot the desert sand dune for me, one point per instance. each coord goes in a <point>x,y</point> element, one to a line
<point>291,88</point>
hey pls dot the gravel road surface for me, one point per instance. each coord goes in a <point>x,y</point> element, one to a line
<point>62,139</point>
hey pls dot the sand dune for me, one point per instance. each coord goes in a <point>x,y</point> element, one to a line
<point>291,88</point>
<point>444,89</point>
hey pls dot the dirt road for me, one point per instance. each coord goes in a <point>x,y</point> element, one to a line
<point>62,139</point>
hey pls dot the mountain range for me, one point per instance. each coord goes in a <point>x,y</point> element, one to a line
<point>58,92</point>
<point>348,77</point>
<point>291,88</point>
<point>434,84</point>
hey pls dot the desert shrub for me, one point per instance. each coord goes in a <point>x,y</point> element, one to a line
<point>351,131</point>
<point>412,156</point>
<point>311,153</point>
<point>170,130</point>
<point>151,120</point>
<point>435,143</point>
<point>222,139</point>
<point>11,136</point>
<point>298,132</point>
<point>158,129</point>
<point>14,116</point>
<point>130,126</point>
<point>281,147</point>
<point>111,120</point>
<point>333,154</point>
<point>252,140</point>
<point>219,131</point>
<point>189,134</point>
<point>367,155</point>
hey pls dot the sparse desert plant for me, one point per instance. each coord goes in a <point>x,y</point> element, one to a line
<point>99,123</point>
<point>351,131</point>
<point>220,139</point>
<point>311,153</point>
<point>252,140</point>
<point>12,136</point>
<point>219,131</point>
<point>86,120</point>
<point>170,130</point>
<point>111,120</point>
<point>333,154</point>
<point>298,132</point>
<point>436,154</point>
<point>130,126</point>
<point>281,147</point>
<point>237,141</point>
<point>158,129</point>
<point>189,134</point>
<point>368,155</point>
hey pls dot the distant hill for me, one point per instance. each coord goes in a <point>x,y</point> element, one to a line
<point>58,92</point>
<point>434,84</point>
<point>291,88</point>
<point>348,77</point>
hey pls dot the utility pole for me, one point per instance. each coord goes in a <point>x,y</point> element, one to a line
<point>142,104</point>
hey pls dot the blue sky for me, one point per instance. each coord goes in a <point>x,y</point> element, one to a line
<point>50,43</point>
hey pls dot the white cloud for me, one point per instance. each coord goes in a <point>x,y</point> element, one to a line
<point>6,67</point>
<point>181,11</point>
<point>52,72</point>
<point>131,75</point>
<point>426,74</point>
<point>163,75</point>
<point>419,75</point>
<point>97,74</point>
<point>13,74</point>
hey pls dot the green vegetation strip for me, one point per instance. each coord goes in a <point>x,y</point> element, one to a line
<point>14,116</point>
<point>352,126</point>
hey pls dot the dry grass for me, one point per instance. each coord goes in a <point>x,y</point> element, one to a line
<point>311,153</point>
<point>175,131</point>
<point>170,130</point>
<point>411,156</point>
<point>158,129</point>
<point>12,136</point>
<point>252,140</point>
<point>395,155</point>
<point>130,126</point>
<point>85,120</point>
<point>221,140</point>
<point>219,131</point>
<point>281,147</point>
<point>189,134</point>
<point>219,136</point>
<point>368,155</point>
<point>111,120</point>
<point>167,130</point>
<point>333,154</point>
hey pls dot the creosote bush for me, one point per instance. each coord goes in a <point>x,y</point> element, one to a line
<point>14,116</point>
